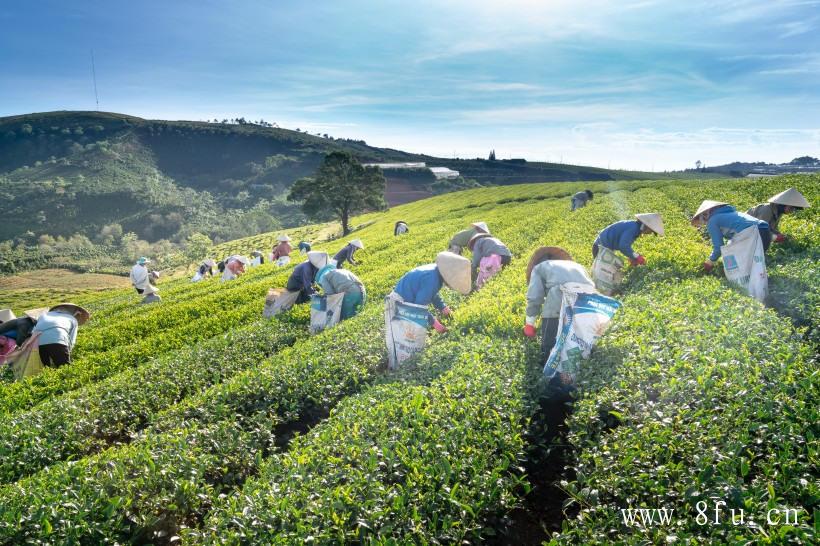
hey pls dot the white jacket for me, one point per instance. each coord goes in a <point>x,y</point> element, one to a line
<point>139,277</point>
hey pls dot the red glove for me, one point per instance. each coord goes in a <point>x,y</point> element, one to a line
<point>440,328</point>
<point>446,312</point>
<point>640,260</point>
<point>779,238</point>
<point>529,330</point>
<point>708,266</point>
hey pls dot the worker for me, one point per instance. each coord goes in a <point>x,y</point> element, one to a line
<point>400,228</point>
<point>140,276</point>
<point>205,268</point>
<point>549,268</point>
<point>303,276</point>
<point>58,332</point>
<point>490,256</point>
<point>723,221</point>
<point>281,252</point>
<point>421,286</point>
<point>580,199</point>
<point>234,267</point>
<point>785,202</point>
<point>462,238</point>
<point>257,258</point>
<point>17,328</point>
<point>342,281</point>
<point>346,253</point>
<point>622,235</point>
<point>304,247</point>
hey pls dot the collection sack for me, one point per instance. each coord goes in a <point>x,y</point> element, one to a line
<point>607,271</point>
<point>325,311</point>
<point>744,263</point>
<point>278,300</point>
<point>406,330</point>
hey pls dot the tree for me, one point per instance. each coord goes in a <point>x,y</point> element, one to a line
<point>342,187</point>
<point>698,164</point>
<point>492,155</point>
<point>197,246</point>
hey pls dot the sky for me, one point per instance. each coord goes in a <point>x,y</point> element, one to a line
<point>630,84</point>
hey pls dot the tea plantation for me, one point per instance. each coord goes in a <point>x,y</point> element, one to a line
<point>196,421</point>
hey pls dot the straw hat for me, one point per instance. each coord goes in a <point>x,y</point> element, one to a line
<point>239,258</point>
<point>357,243</point>
<point>704,207</point>
<point>791,198</point>
<point>71,308</point>
<point>283,238</point>
<point>481,227</point>
<point>318,258</point>
<point>143,260</point>
<point>6,315</point>
<point>35,314</point>
<point>651,220</point>
<point>455,270</point>
<point>209,262</point>
<point>546,253</point>
<point>475,238</point>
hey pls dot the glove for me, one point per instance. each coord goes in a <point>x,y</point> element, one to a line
<point>440,328</point>
<point>640,260</point>
<point>446,312</point>
<point>529,330</point>
<point>708,265</point>
<point>779,238</point>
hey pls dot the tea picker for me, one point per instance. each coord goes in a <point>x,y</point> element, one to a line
<point>343,297</point>
<point>490,256</point>
<point>461,239</point>
<point>303,276</point>
<point>281,252</point>
<point>405,309</point>
<point>400,228</point>
<point>234,267</point>
<point>141,280</point>
<point>347,252</point>
<point>786,202</point>
<point>56,333</point>
<point>304,247</point>
<point>722,221</point>
<point>205,268</point>
<point>580,199</point>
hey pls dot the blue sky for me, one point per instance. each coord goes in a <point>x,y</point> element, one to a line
<point>629,84</point>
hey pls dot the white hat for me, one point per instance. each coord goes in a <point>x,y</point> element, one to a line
<point>318,258</point>
<point>357,243</point>
<point>239,258</point>
<point>791,198</point>
<point>455,270</point>
<point>283,238</point>
<point>7,315</point>
<point>81,314</point>
<point>704,207</point>
<point>209,262</point>
<point>35,314</point>
<point>481,226</point>
<point>652,220</point>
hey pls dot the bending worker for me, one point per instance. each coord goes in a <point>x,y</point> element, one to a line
<point>234,267</point>
<point>205,268</point>
<point>580,199</point>
<point>304,247</point>
<point>282,250</point>
<point>785,202</point>
<point>140,276</point>
<point>58,332</point>
<point>622,235</point>
<point>400,228</point>
<point>343,281</point>
<point>303,276</point>
<point>461,239</point>
<point>346,253</point>
<point>490,255</point>
<point>723,221</point>
<point>549,268</point>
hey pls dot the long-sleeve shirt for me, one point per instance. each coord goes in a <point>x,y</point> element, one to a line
<point>400,228</point>
<point>139,277</point>
<point>281,250</point>
<point>769,213</point>
<point>345,255</point>
<point>488,246</point>
<point>57,327</point>
<point>301,279</point>
<point>580,199</point>
<point>463,237</point>
<point>620,236</point>
<point>544,292</point>
<point>726,222</point>
<point>339,281</point>
<point>421,286</point>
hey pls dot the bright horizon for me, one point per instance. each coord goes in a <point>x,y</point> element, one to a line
<point>630,85</point>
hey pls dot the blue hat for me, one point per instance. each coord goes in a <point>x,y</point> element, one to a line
<point>143,260</point>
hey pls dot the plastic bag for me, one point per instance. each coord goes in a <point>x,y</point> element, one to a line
<point>25,361</point>
<point>607,271</point>
<point>283,261</point>
<point>405,330</point>
<point>278,300</point>
<point>325,311</point>
<point>744,263</point>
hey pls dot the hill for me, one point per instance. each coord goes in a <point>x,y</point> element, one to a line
<point>197,420</point>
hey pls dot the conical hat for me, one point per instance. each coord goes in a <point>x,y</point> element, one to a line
<point>475,238</point>
<point>283,238</point>
<point>318,258</point>
<point>792,198</point>
<point>210,263</point>
<point>239,258</point>
<point>73,308</point>
<point>7,315</point>
<point>455,270</point>
<point>652,220</point>
<point>357,243</point>
<point>481,227</point>
<point>546,253</point>
<point>35,314</point>
<point>706,206</point>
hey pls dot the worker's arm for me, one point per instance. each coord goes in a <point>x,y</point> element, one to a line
<point>536,292</point>
<point>625,242</point>
<point>72,334</point>
<point>717,239</point>
<point>438,303</point>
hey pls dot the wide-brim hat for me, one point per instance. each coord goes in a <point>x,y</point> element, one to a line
<point>455,270</point>
<point>652,220</point>
<point>7,315</point>
<point>546,253</point>
<point>791,198</point>
<point>283,239</point>
<point>72,309</point>
<point>481,226</point>
<point>475,238</point>
<point>143,260</point>
<point>318,258</point>
<point>35,314</point>
<point>357,243</point>
<point>704,207</point>
<point>210,263</point>
<point>239,258</point>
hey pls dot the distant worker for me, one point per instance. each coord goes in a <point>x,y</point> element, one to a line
<point>490,256</point>
<point>460,240</point>
<point>549,268</point>
<point>234,267</point>
<point>140,276</point>
<point>303,276</point>
<point>257,258</point>
<point>579,200</point>
<point>622,235</point>
<point>346,253</point>
<point>304,247</point>
<point>400,228</point>
<point>281,252</point>
<point>18,328</point>
<point>205,268</point>
<point>343,281</point>
<point>724,222</point>
<point>785,202</point>
<point>58,333</point>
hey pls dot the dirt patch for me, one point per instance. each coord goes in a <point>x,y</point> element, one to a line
<point>61,279</point>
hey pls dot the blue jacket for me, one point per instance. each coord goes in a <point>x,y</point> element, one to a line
<point>620,236</point>
<point>345,255</point>
<point>301,279</point>
<point>421,286</point>
<point>726,222</point>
